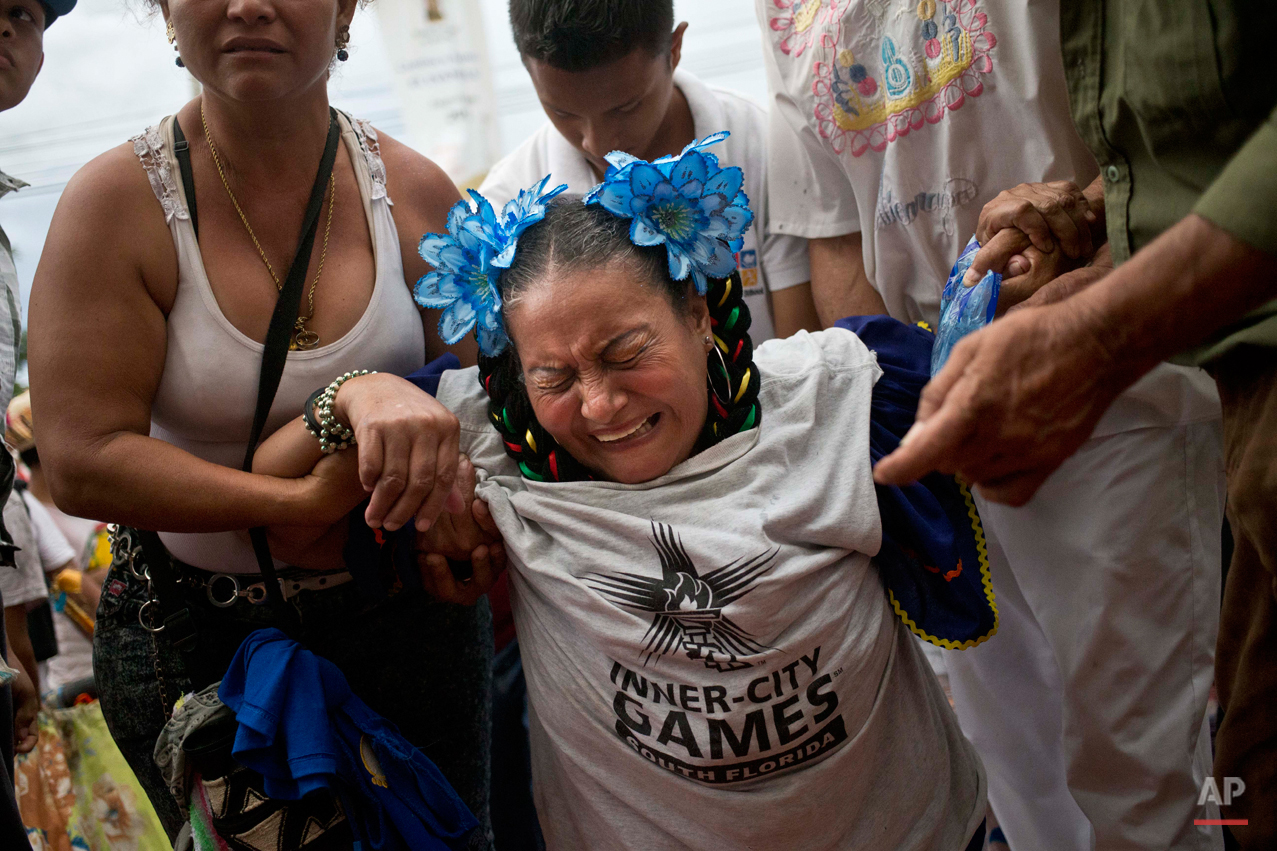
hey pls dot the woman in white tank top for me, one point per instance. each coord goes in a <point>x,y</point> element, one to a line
<point>146,341</point>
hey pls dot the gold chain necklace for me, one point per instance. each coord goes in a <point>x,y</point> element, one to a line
<point>303,338</point>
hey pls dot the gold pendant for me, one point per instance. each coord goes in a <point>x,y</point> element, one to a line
<point>303,338</point>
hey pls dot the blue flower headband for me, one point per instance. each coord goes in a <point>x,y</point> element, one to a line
<point>688,203</point>
<point>469,258</point>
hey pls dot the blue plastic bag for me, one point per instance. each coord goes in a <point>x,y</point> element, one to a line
<point>964,309</point>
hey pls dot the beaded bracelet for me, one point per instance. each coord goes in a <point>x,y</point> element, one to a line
<point>320,420</point>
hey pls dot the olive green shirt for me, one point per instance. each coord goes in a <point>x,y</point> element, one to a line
<point>1178,101</point>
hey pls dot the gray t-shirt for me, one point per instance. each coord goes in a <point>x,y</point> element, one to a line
<point>711,659</point>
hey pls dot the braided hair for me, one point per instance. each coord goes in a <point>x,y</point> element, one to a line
<point>574,236</point>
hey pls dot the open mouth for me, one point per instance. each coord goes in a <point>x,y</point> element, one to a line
<point>621,437</point>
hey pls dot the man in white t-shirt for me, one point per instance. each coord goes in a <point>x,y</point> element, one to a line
<point>893,124</point>
<point>609,81</point>
<point>22,586</point>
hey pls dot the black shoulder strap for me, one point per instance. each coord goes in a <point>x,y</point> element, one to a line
<point>183,150</point>
<point>278,337</point>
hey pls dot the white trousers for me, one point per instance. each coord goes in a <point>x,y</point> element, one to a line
<point>1088,707</point>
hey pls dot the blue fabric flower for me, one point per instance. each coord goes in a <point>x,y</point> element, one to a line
<point>688,203</point>
<point>468,260</point>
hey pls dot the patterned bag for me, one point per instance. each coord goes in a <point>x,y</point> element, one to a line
<point>228,807</point>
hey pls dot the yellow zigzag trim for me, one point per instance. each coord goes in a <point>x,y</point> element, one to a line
<point>982,549</point>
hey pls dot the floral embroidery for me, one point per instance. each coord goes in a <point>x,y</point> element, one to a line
<point>856,110</point>
<point>803,22</point>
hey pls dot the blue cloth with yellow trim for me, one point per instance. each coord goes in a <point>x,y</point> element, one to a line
<point>933,560</point>
<point>302,729</point>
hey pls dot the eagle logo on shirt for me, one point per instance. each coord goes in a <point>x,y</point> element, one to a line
<point>687,607</point>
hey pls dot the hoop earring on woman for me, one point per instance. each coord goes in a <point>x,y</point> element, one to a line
<point>343,39</point>
<point>726,375</point>
<point>172,39</point>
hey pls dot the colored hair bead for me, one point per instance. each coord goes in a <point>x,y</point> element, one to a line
<point>744,383</point>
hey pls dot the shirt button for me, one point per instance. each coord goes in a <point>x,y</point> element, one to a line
<point>1113,174</point>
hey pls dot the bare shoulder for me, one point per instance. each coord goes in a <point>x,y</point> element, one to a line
<point>423,193</point>
<point>111,192</point>
<point>109,228</point>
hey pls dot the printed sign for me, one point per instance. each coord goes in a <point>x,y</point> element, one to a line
<point>442,76</point>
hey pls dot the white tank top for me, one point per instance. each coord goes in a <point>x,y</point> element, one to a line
<point>205,400</point>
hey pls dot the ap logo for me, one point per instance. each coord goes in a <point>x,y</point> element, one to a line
<point>1233,787</point>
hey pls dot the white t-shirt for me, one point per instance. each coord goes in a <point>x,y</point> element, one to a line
<point>76,530</point>
<point>782,262</point>
<point>74,659</point>
<point>52,544</point>
<point>711,659</point>
<point>901,120</point>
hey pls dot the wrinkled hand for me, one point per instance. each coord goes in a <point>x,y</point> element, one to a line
<point>408,445</point>
<point>1049,217</point>
<point>1028,273</point>
<point>26,706</point>
<point>1069,283</point>
<point>468,536</point>
<point>1014,401</point>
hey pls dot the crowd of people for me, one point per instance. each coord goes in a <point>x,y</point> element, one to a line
<point>648,559</point>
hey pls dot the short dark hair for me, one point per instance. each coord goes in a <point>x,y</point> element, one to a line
<point>577,35</point>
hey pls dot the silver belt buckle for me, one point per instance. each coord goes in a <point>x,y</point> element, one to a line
<point>212,589</point>
<point>223,590</point>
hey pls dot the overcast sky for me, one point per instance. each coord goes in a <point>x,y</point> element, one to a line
<point>109,72</point>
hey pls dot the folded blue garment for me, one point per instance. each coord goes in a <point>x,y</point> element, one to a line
<point>303,730</point>
<point>933,560</point>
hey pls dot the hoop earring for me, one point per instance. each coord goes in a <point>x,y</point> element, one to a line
<point>343,39</point>
<point>172,39</point>
<point>727,376</point>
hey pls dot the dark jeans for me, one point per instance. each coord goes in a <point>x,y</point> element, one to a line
<point>1246,653</point>
<point>422,664</point>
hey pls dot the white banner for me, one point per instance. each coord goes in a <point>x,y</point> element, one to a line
<point>439,56</point>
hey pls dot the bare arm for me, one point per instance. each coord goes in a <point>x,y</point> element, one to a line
<point>26,706</point>
<point>20,649</point>
<point>290,453</point>
<point>423,196</point>
<point>97,346</point>
<point>793,310</point>
<point>839,285</point>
